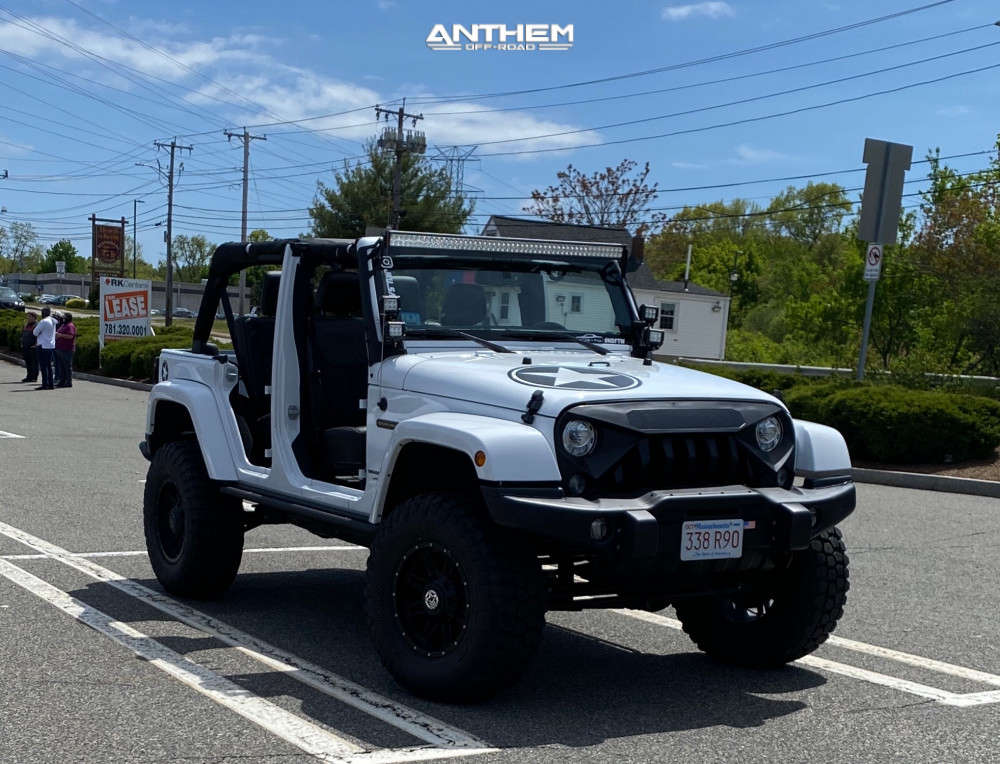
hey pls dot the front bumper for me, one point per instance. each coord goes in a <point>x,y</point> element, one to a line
<point>778,519</point>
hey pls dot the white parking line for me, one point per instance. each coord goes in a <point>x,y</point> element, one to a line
<point>945,697</point>
<point>143,553</point>
<point>302,734</point>
<point>10,435</point>
<point>421,726</point>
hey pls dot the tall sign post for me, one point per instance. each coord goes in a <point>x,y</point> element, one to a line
<point>107,256</point>
<point>880,205</point>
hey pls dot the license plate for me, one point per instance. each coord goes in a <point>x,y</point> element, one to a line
<point>711,539</point>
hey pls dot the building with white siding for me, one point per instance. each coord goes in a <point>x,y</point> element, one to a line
<point>693,318</point>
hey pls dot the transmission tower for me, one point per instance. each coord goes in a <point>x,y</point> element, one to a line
<point>455,158</point>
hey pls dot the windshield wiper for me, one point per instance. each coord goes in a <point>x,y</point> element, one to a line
<point>547,335</point>
<point>447,331</point>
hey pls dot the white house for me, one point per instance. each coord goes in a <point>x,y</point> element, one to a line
<point>693,318</point>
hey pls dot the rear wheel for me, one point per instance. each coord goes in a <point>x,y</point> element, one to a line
<point>455,609</point>
<point>778,620</point>
<point>194,534</point>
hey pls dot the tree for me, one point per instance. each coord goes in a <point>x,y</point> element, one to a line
<point>63,250</point>
<point>18,246</point>
<point>959,245</point>
<point>191,255</point>
<point>810,213</point>
<point>256,273</point>
<point>361,196</point>
<point>616,196</point>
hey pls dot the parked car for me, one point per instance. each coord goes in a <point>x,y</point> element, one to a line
<point>156,312</point>
<point>63,299</point>
<point>47,299</point>
<point>9,299</point>
<point>495,471</point>
<point>183,313</point>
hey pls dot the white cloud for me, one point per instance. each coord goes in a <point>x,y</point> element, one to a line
<point>713,10</point>
<point>689,165</point>
<point>386,5</point>
<point>247,85</point>
<point>746,154</point>
<point>69,40</point>
<point>953,111</point>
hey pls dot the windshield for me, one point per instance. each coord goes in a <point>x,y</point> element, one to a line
<point>509,301</point>
<point>6,293</point>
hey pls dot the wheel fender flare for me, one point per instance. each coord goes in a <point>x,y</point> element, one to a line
<point>514,452</point>
<point>199,401</point>
<point>820,451</point>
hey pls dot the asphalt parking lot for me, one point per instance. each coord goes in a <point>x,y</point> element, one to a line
<point>97,664</point>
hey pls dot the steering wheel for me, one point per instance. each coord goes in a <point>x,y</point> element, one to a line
<point>548,325</point>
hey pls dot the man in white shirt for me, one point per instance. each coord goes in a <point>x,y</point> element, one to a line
<point>45,331</point>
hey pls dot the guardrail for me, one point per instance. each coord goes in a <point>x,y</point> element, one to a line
<point>814,371</point>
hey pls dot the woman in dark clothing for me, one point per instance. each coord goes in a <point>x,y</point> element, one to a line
<point>29,349</point>
<point>65,345</point>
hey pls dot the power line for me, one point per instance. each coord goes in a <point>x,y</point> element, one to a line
<point>695,62</point>
<point>747,120</point>
<point>705,83</point>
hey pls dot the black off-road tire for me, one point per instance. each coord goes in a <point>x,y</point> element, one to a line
<point>803,604</point>
<point>491,600</point>
<point>194,534</point>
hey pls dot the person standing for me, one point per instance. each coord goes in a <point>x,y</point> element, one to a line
<point>29,348</point>
<point>45,331</point>
<point>65,345</point>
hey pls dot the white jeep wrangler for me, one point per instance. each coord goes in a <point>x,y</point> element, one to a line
<point>483,414</point>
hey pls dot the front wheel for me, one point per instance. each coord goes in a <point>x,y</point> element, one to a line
<point>778,620</point>
<point>455,609</point>
<point>194,534</point>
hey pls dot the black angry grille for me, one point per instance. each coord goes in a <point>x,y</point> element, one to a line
<point>663,462</point>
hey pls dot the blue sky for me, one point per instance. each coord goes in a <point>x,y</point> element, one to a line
<point>88,85</point>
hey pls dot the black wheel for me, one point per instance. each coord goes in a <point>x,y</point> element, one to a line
<point>780,618</point>
<point>455,609</point>
<point>194,534</point>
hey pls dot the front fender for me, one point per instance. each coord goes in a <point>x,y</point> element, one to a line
<point>199,401</point>
<point>820,451</point>
<point>514,452</point>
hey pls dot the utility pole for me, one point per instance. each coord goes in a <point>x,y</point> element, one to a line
<point>170,220</point>
<point>246,138</point>
<point>413,143</point>
<point>135,206</point>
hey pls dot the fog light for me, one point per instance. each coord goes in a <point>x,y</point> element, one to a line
<point>576,485</point>
<point>599,530</point>
<point>768,434</point>
<point>395,329</point>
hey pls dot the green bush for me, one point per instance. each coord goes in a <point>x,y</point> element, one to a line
<point>135,357</point>
<point>76,302</point>
<point>891,424</point>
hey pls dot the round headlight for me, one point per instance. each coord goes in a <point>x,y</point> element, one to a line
<point>768,433</point>
<point>578,437</point>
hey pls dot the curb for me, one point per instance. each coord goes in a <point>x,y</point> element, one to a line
<point>922,482</point>
<point>83,376</point>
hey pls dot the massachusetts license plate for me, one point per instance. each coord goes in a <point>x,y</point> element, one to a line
<point>711,539</point>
